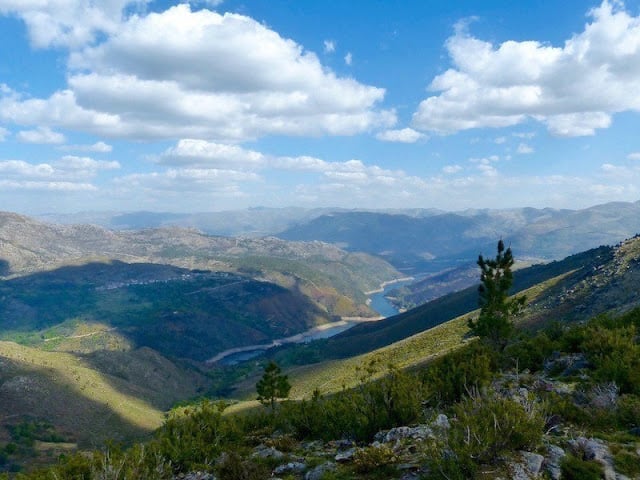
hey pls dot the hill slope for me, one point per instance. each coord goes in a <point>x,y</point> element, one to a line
<point>330,276</point>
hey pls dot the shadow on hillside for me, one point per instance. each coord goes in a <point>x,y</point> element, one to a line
<point>76,417</point>
<point>111,308</point>
<point>148,375</point>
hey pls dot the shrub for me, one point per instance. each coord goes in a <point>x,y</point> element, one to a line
<point>574,468</point>
<point>627,463</point>
<point>359,413</point>
<point>451,377</point>
<point>194,440</point>
<point>529,353</point>
<point>231,466</point>
<point>629,411</point>
<point>372,458</point>
<point>615,356</point>
<point>485,429</point>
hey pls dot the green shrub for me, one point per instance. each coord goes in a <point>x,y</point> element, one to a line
<point>615,356</point>
<point>574,468</point>
<point>529,353</point>
<point>373,458</point>
<point>140,462</point>
<point>232,466</point>
<point>629,411</point>
<point>486,428</point>
<point>359,413</point>
<point>627,462</point>
<point>195,439</point>
<point>453,376</point>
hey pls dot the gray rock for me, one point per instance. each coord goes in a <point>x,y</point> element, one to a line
<point>441,422</point>
<point>195,476</point>
<point>318,472</point>
<point>595,449</point>
<point>532,462</point>
<point>420,432</point>
<point>346,456</point>
<point>519,472</point>
<point>291,467</point>
<point>552,462</point>
<point>262,451</point>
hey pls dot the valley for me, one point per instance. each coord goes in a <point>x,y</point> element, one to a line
<point>125,325</point>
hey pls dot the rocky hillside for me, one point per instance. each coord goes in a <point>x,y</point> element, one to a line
<point>333,278</point>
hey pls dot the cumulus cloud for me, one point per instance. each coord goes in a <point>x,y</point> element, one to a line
<point>67,174</point>
<point>201,153</point>
<point>573,89</point>
<point>183,74</point>
<point>42,135</point>
<point>98,147</point>
<point>348,58</point>
<point>405,135</point>
<point>634,156</point>
<point>69,23</point>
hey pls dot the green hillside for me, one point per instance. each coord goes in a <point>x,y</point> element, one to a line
<point>370,336</point>
<point>178,312</point>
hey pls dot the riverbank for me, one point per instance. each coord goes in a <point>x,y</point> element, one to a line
<point>321,331</point>
<point>384,285</point>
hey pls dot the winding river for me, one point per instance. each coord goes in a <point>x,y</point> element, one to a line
<point>378,302</point>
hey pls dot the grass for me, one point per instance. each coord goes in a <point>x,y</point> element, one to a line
<point>80,380</point>
<point>334,375</point>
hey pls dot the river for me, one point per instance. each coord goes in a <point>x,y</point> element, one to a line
<point>378,303</point>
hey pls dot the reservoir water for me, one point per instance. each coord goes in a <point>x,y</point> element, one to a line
<point>379,303</point>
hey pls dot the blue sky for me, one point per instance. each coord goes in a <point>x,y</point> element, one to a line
<point>217,105</point>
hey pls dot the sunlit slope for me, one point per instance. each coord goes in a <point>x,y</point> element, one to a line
<point>82,402</point>
<point>334,375</point>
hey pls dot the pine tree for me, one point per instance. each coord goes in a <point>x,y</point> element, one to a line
<point>272,385</point>
<point>495,322</point>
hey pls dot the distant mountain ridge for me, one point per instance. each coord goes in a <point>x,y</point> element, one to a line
<point>442,240</point>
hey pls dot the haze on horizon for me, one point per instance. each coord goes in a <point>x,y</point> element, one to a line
<point>213,105</point>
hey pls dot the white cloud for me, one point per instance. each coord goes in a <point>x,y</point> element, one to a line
<point>184,180</point>
<point>524,149</point>
<point>68,22</point>
<point>61,174</point>
<point>485,160</point>
<point>83,167</point>
<point>574,89</point>
<point>4,133</point>
<point>183,74</point>
<point>329,46</point>
<point>634,156</point>
<point>98,147</point>
<point>527,135</point>
<point>47,186</point>
<point>348,58</point>
<point>42,135</point>
<point>406,135</point>
<point>211,155</point>
<point>500,140</point>
<point>451,169</point>
<point>487,170</point>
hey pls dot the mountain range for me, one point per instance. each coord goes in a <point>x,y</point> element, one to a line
<point>118,323</point>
